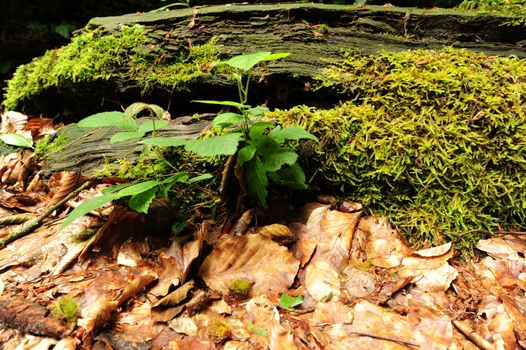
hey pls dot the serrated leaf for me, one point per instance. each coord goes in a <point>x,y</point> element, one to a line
<point>276,56</point>
<point>17,140</point>
<point>275,161</point>
<point>135,108</point>
<point>223,103</point>
<point>164,141</point>
<point>290,133</point>
<point>215,146</point>
<point>114,118</point>
<point>141,201</point>
<point>125,135</point>
<point>168,183</point>
<point>245,154</point>
<point>200,178</point>
<point>257,180</point>
<point>245,62</point>
<point>225,120</point>
<point>288,302</point>
<point>258,129</point>
<point>152,125</point>
<point>87,206</point>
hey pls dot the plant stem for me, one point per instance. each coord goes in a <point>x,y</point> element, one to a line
<point>36,222</point>
<point>16,219</point>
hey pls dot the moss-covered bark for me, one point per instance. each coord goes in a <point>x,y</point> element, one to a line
<point>169,55</point>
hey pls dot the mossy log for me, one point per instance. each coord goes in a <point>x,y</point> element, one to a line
<point>63,82</point>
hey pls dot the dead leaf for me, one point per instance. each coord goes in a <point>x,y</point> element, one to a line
<point>278,233</point>
<point>184,325</point>
<point>254,258</point>
<point>67,182</point>
<point>385,246</point>
<point>177,296</point>
<point>322,280</point>
<point>169,275</point>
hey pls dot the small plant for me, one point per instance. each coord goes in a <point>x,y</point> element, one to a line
<point>259,146</point>
<point>220,329</point>
<point>287,302</point>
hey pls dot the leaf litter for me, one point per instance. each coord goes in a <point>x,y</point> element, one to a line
<point>326,279</point>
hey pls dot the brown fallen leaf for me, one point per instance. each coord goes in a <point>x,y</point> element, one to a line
<point>278,233</point>
<point>322,280</point>
<point>254,258</point>
<point>67,182</point>
<point>177,296</point>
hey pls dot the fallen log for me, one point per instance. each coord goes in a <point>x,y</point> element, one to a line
<point>173,54</point>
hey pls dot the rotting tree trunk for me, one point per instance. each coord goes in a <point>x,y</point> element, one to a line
<point>311,32</point>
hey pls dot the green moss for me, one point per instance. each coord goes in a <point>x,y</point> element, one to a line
<point>67,308</point>
<point>220,329</point>
<point>95,55</point>
<point>435,140</point>
<point>240,288</point>
<point>50,144</point>
<point>514,8</point>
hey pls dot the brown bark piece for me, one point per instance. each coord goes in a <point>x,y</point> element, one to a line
<point>19,313</point>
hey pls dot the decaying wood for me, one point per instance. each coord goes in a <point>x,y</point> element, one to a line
<point>312,33</point>
<point>16,312</point>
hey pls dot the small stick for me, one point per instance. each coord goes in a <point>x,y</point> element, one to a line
<point>476,338</point>
<point>16,219</point>
<point>36,222</point>
<point>394,340</point>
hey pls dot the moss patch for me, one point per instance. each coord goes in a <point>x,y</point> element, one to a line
<point>435,140</point>
<point>126,55</point>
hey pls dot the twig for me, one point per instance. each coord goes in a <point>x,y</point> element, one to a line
<point>486,232</point>
<point>16,219</point>
<point>476,338</point>
<point>36,222</point>
<point>395,340</point>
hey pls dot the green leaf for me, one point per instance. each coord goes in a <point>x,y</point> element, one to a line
<point>17,140</point>
<point>261,332</point>
<point>126,135</point>
<point>225,120</point>
<point>257,111</point>
<point>276,56</point>
<point>246,153</point>
<point>134,109</point>
<point>290,176</point>
<point>245,62</point>
<point>164,141</point>
<point>257,180</point>
<point>152,125</point>
<point>168,183</point>
<point>87,206</point>
<point>288,302</point>
<point>141,201</point>
<point>290,133</point>
<point>223,103</point>
<point>215,146</point>
<point>200,178</point>
<point>115,118</point>
<point>137,188</point>
<point>258,129</point>
<point>275,161</point>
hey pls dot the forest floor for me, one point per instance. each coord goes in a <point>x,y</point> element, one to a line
<point>323,277</point>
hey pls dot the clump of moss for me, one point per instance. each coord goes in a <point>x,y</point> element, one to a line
<point>50,144</point>
<point>65,308</point>
<point>220,329</point>
<point>96,55</point>
<point>240,288</point>
<point>515,8</point>
<point>434,140</point>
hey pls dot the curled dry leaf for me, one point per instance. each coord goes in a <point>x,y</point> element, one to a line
<point>254,258</point>
<point>332,312</point>
<point>169,275</point>
<point>177,296</point>
<point>278,233</point>
<point>385,246</point>
<point>67,181</point>
<point>184,325</point>
<point>13,122</point>
<point>498,248</point>
<point>137,324</point>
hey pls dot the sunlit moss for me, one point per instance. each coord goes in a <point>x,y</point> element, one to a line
<point>435,140</point>
<point>95,55</point>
